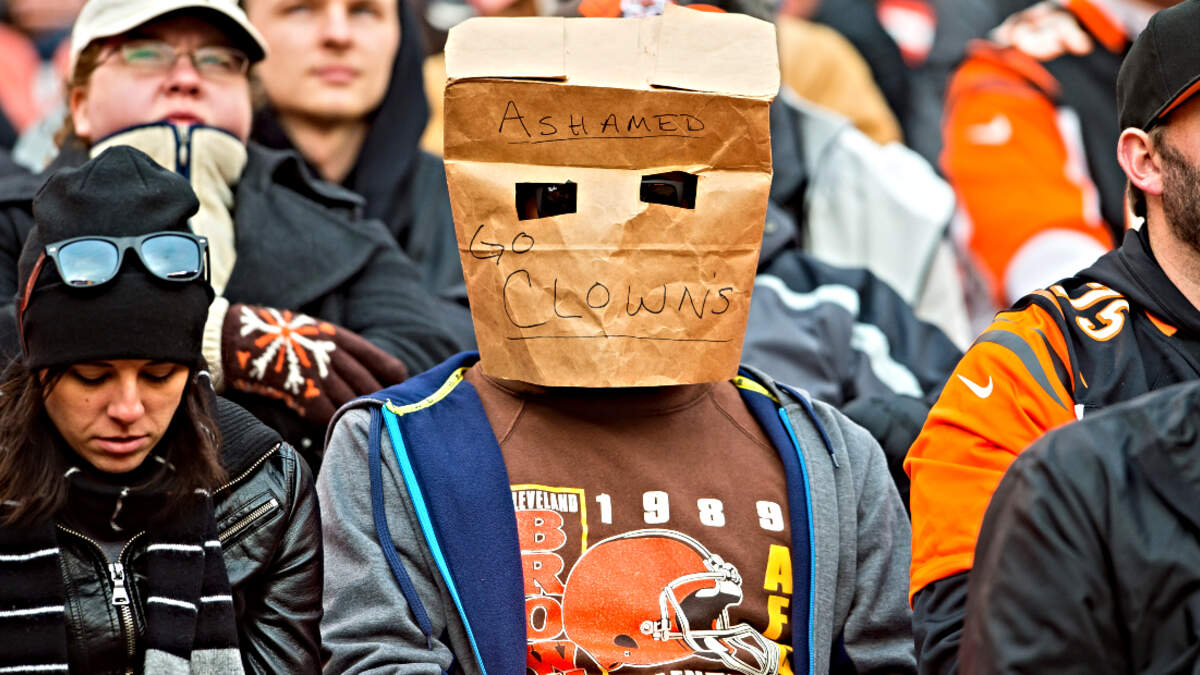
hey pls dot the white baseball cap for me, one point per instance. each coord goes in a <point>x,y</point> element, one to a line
<point>108,18</point>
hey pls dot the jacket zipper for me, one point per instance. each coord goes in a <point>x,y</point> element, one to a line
<point>120,593</point>
<point>117,570</point>
<point>242,476</point>
<point>247,520</point>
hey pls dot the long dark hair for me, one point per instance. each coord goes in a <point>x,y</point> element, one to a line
<point>32,488</point>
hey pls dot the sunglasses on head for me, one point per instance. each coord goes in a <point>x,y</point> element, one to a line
<point>93,260</point>
<point>89,261</point>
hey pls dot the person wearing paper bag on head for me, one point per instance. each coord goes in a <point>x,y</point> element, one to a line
<point>315,305</point>
<point>601,487</point>
<point>145,524</point>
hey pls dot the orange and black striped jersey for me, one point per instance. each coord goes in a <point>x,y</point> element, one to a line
<point>1116,330</point>
<point>1030,134</point>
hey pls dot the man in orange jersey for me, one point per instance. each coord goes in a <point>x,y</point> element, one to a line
<point>1126,325</point>
<point>1029,129</point>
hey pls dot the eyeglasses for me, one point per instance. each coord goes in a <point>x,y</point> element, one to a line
<point>212,62</point>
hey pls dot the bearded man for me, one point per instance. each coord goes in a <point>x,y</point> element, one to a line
<point>1123,327</point>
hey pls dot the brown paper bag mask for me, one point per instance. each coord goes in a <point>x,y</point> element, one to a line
<point>609,181</point>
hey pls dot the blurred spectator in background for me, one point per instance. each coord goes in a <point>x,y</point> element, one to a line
<point>848,339</point>
<point>821,66</point>
<point>932,36</point>
<point>314,305</point>
<point>857,203</point>
<point>1030,129</point>
<point>343,87</point>
<point>33,62</point>
<point>859,22</point>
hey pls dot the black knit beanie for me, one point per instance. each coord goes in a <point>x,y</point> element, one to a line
<point>121,193</point>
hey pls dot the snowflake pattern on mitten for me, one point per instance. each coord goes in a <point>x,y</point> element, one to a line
<point>310,365</point>
<point>287,339</point>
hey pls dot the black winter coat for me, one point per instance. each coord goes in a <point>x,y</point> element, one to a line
<point>270,529</point>
<point>1089,557</point>
<point>403,186</point>
<point>300,246</point>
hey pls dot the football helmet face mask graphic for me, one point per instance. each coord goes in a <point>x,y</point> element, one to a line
<point>653,597</point>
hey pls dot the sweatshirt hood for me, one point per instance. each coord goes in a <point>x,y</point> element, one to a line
<point>1132,270</point>
<point>384,170</point>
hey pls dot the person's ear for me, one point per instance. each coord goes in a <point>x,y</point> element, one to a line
<point>77,102</point>
<point>1141,164</point>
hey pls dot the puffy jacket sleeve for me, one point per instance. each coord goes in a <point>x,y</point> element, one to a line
<point>281,618</point>
<point>368,626</point>
<point>1039,598</point>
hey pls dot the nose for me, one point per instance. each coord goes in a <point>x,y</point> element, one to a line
<point>183,78</point>
<point>335,29</point>
<point>126,405</point>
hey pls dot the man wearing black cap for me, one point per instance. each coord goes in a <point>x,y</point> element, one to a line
<point>1125,326</point>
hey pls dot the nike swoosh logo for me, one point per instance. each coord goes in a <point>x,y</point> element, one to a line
<point>997,131</point>
<point>980,391</point>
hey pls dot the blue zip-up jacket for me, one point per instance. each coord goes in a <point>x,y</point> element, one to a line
<point>448,593</point>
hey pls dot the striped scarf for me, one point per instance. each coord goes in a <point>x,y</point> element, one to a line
<point>188,605</point>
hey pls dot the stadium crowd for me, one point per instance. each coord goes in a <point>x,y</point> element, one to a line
<point>272,403</point>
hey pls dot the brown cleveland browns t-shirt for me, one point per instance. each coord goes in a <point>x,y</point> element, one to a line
<point>653,527</point>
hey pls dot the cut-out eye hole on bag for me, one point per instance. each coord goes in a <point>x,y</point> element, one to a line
<point>544,200</point>
<point>674,188</point>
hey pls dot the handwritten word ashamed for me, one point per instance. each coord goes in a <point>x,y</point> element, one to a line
<point>574,127</point>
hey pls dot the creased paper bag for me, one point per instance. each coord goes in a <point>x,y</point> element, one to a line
<point>609,180</point>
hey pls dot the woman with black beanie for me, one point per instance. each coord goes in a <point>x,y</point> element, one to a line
<point>145,524</point>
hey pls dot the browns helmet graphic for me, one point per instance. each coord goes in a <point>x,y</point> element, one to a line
<point>652,597</point>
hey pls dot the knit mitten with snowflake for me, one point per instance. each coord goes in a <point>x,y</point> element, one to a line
<point>310,365</point>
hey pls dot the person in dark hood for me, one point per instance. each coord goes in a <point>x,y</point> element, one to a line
<point>1127,325</point>
<point>344,87</point>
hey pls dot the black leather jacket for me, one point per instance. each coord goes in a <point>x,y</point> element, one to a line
<point>270,529</point>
